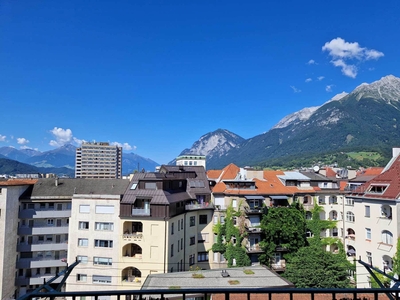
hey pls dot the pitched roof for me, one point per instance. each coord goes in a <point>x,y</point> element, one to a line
<point>214,174</point>
<point>230,172</point>
<point>389,178</point>
<point>15,182</point>
<point>65,188</point>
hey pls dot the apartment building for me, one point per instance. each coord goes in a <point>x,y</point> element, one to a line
<point>375,227</point>
<point>252,192</point>
<point>165,224</point>
<point>95,234</point>
<point>10,191</point>
<point>98,160</point>
<point>191,160</point>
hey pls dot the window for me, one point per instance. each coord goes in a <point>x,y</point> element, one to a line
<point>83,242</point>
<point>172,250</point>
<point>172,228</point>
<point>104,226</point>
<point>192,221</point>
<point>101,279</point>
<point>104,209</point>
<point>222,219</point>
<point>192,240</point>
<point>83,225</point>
<point>202,256</point>
<point>350,216</point>
<point>179,225</point>
<point>234,203</point>
<point>51,206</point>
<point>150,186</point>
<point>191,259</point>
<point>387,237</point>
<point>103,243</point>
<point>377,189</point>
<point>49,238</point>
<point>178,244</point>
<point>349,201</point>
<point>368,233</point>
<point>40,238</point>
<point>215,219</point>
<point>367,211</point>
<point>182,224</point>
<point>202,237</point>
<point>50,222</point>
<point>369,257</point>
<point>81,277</point>
<point>82,259</point>
<point>181,243</point>
<point>84,209</point>
<point>47,270</point>
<point>203,219</point>
<point>104,261</point>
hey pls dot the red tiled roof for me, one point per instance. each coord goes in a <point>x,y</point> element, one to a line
<point>214,174</point>
<point>373,171</point>
<point>330,172</point>
<point>230,172</point>
<point>14,182</point>
<point>390,177</point>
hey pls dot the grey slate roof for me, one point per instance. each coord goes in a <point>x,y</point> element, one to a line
<point>262,278</point>
<point>46,188</point>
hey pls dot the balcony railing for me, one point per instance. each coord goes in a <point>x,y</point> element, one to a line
<point>198,206</point>
<point>133,236</point>
<point>228,293</point>
<point>140,211</point>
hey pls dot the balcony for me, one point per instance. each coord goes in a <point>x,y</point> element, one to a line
<point>37,279</point>
<point>41,262</point>
<point>195,206</point>
<point>252,229</point>
<point>133,237</point>
<point>253,210</point>
<point>140,211</point>
<point>25,230</point>
<point>228,293</point>
<point>254,249</point>
<point>43,214</point>
<point>43,246</point>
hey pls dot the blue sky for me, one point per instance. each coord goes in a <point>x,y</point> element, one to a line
<point>154,76</point>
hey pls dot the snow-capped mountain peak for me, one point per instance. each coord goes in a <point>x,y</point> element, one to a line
<point>387,89</point>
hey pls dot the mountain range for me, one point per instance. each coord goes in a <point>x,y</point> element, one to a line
<point>60,161</point>
<point>364,119</point>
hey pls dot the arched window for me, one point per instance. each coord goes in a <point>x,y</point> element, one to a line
<point>308,215</point>
<point>350,216</point>
<point>387,237</point>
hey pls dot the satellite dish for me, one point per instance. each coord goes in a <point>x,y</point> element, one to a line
<point>316,169</point>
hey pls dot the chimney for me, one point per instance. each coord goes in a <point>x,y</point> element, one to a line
<point>56,182</point>
<point>396,151</point>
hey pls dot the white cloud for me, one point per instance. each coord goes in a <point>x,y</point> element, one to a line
<point>296,90</point>
<point>62,137</point>
<point>124,146</point>
<point>342,51</point>
<point>312,62</point>
<point>328,88</point>
<point>320,78</point>
<point>308,80</point>
<point>348,70</point>
<point>22,141</point>
<point>2,138</point>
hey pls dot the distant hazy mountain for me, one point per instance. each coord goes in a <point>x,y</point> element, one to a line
<point>132,162</point>
<point>366,118</point>
<point>61,161</point>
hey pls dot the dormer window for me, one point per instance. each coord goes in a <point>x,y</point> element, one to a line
<point>150,186</point>
<point>377,188</point>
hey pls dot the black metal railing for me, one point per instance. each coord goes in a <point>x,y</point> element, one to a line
<point>226,294</point>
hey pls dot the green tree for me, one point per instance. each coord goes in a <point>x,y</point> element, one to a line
<point>396,260</point>
<point>285,227</point>
<point>313,267</point>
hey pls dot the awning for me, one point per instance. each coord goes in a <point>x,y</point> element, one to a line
<point>254,197</point>
<point>279,197</point>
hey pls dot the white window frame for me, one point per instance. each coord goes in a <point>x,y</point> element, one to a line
<point>84,209</point>
<point>104,226</point>
<point>368,233</point>
<point>102,261</point>
<point>83,242</point>
<point>83,225</point>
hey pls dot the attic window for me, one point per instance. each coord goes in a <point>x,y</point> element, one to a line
<point>150,186</point>
<point>377,189</point>
<point>133,187</point>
